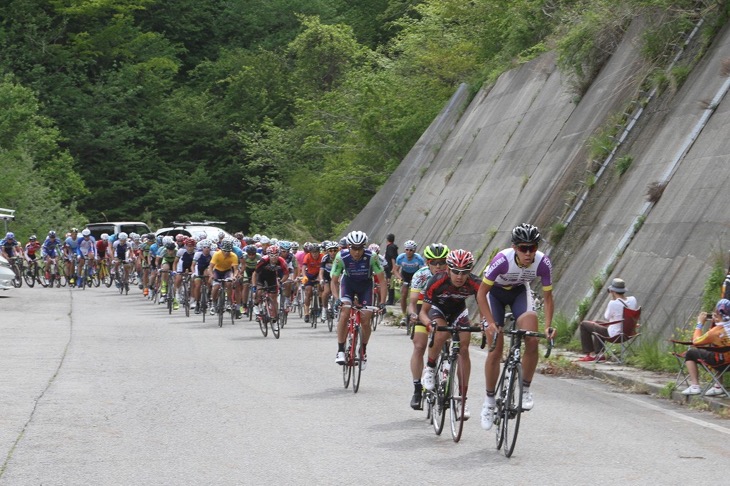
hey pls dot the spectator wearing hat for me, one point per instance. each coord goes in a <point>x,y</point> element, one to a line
<point>718,336</point>
<point>614,314</point>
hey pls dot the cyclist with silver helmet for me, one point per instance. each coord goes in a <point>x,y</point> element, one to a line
<point>435,255</point>
<point>201,272</point>
<point>352,277</point>
<point>86,250</point>
<point>223,265</point>
<point>406,266</point>
<point>71,251</point>
<point>288,285</point>
<point>325,277</point>
<point>122,251</point>
<point>506,282</point>
<point>31,248</point>
<point>266,274</point>
<point>444,303</point>
<point>248,266</point>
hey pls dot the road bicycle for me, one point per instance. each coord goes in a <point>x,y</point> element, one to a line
<point>203,302</point>
<point>266,313</point>
<point>52,274</point>
<point>35,273</point>
<point>450,388</point>
<point>103,274</point>
<point>223,302</point>
<point>314,308</point>
<point>283,307</point>
<point>185,293</point>
<point>377,318</point>
<point>298,299</point>
<point>87,273</point>
<point>330,312</point>
<point>354,355</point>
<point>16,264</point>
<point>123,277</point>
<point>509,388</point>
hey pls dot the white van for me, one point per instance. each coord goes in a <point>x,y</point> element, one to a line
<point>116,227</point>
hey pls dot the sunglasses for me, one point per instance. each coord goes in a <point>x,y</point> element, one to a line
<point>440,263</point>
<point>460,272</point>
<point>527,248</point>
<point>409,249</point>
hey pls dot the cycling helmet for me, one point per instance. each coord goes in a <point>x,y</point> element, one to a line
<point>32,237</point>
<point>315,248</point>
<point>248,240</point>
<point>122,235</point>
<point>221,235</point>
<point>357,238</point>
<point>250,249</point>
<point>188,241</point>
<point>158,239</point>
<point>166,240</point>
<point>294,245</point>
<point>275,241</point>
<point>170,246</point>
<point>179,238</point>
<point>226,245</point>
<point>86,232</point>
<point>264,240</point>
<point>74,230</point>
<point>307,247</point>
<point>343,242</point>
<point>273,250</point>
<point>460,259</point>
<point>238,235</point>
<point>236,243</point>
<point>105,236</point>
<point>200,235</point>
<point>374,248</point>
<point>51,234</point>
<point>436,251</point>
<point>10,235</point>
<point>333,245</point>
<point>134,236</point>
<point>410,245</point>
<point>723,308</point>
<point>285,246</point>
<point>206,243</point>
<point>525,233</point>
<point>256,238</point>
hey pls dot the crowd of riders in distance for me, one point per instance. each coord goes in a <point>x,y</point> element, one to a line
<point>435,286</point>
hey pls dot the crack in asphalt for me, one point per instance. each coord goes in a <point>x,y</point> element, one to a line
<point>9,457</point>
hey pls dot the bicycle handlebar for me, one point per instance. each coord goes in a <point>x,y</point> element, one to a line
<point>453,330</point>
<point>525,333</point>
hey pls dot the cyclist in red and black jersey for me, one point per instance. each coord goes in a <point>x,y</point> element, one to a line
<point>266,274</point>
<point>444,303</point>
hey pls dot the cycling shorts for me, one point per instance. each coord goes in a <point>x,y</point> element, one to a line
<point>363,290</point>
<point>460,319</point>
<point>517,298</point>
<point>217,274</point>
<point>311,279</point>
<point>407,277</point>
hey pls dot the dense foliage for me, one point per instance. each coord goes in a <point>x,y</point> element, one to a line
<point>282,116</point>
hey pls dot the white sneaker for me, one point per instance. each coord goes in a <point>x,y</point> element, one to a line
<point>692,390</point>
<point>428,379</point>
<point>714,391</point>
<point>487,415</point>
<point>364,363</point>
<point>256,310</point>
<point>467,413</point>
<point>340,359</point>
<point>527,400</point>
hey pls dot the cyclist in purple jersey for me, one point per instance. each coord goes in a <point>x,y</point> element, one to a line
<point>506,283</point>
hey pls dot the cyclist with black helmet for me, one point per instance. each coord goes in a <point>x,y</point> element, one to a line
<point>201,262</point>
<point>165,260</point>
<point>31,248</point>
<point>444,304</point>
<point>352,277</point>
<point>435,255</point>
<point>506,282</point>
<point>324,275</point>
<point>406,265</point>
<point>266,273</point>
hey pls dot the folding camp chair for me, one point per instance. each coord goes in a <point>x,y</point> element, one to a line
<point>616,348</point>
<point>715,373</point>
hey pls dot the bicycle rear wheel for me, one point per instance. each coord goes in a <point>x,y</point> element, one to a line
<point>263,319</point>
<point>457,399</point>
<point>500,397</point>
<point>221,304</point>
<point>513,409</point>
<point>186,297</point>
<point>357,356</point>
<point>438,411</point>
<point>18,271</point>
<point>106,276</point>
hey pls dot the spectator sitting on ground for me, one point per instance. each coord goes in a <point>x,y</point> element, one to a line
<point>718,335</point>
<point>614,313</point>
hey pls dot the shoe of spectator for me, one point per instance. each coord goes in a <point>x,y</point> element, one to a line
<point>714,391</point>
<point>587,358</point>
<point>692,390</point>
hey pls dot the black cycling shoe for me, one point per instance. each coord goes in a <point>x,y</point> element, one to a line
<point>416,401</point>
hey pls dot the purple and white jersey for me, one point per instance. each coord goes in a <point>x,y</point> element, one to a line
<point>504,272</point>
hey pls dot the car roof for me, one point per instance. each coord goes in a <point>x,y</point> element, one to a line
<point>191,230</point>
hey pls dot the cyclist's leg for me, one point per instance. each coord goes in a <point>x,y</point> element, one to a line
<point>465,338</point>
<point>526,319</point>
<point>307,299</point>
<point>497,299</point>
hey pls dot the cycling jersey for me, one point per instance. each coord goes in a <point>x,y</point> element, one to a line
<point>503,271</point>
<point>202,262</point>
<point>327,262</point>
<point>409,265</point>
<point>311,265</point>
<point>101,248</point>
<point>86,247</point>
<point>9,246</point>
<point>120,250</point>
<point>353,270</point>
<point>31,248</point>
<point>184,260</point>
<point>223,261</point>
<point>266,271</point>
<point>50,247</point>
<point>447,298</point>
<point>419,281</point>
<point>290,263</point>
<point>166,256</point>
<point>72,244</point>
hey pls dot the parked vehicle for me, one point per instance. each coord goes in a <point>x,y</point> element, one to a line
<point>116,227</point>
<point>6,275</point>
<point>192,228</point>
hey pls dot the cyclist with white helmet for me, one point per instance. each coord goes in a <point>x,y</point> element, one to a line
<point>71,250</point>
<point>506,282</point>
<point>288,284</point>
<point>352,278</point>
<point>325,277</point>
<point>248,266</point>
<point>406,266</point>
<point>165,261</point>
<point>444,304</point>
<point>310,277</point>
<point>50,250</point>
<point>86,250</point>
<point>201,272</point>
<point>122,253</point>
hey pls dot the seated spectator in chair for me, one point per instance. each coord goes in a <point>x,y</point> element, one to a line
<point>614,312</point>
<point>718,335</point>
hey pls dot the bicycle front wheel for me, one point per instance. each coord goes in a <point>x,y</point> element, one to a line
<point>347,367</point>
<point>186,297</point>
<point>457,399</point>
<point>203,299</point>
<point>106,276</point>
<point>221,304</point>
<point>29,276</point>
<point>358,355</point>
<point>438,411</point>
<point>263,319</point>
<point>513,410</point>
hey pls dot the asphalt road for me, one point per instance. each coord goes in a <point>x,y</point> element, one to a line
<point>98,388</point>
